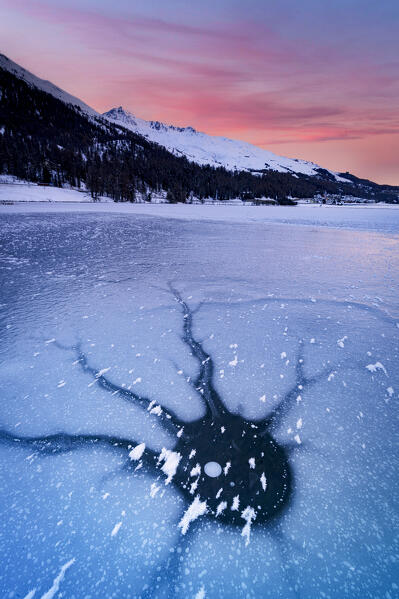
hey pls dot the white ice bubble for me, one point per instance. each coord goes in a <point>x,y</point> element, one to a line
<point>213,469</point>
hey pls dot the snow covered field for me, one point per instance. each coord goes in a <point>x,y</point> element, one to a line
<point>371,217</point>
<point>29,192</point>
<point>132,335</point>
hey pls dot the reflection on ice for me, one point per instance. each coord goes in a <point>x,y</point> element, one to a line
<point>194,446</point>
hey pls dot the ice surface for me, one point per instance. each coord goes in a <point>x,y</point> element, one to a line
<point>372,217</point>
<point>263,296</point>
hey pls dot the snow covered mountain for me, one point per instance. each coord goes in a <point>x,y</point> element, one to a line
<point>217,151</point>
<point>46,86</point>
<point>197,147</point>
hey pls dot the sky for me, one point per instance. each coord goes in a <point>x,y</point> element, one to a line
<point>312,79</point>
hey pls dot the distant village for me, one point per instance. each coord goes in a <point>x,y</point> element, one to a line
<point>327,199</point>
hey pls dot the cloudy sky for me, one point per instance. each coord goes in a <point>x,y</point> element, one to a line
<point>313,79</point>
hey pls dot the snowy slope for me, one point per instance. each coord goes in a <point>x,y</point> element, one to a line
<point>207,149</point>
<point>46,86</point>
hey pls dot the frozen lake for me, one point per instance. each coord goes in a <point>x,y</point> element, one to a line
<point>199,404</point>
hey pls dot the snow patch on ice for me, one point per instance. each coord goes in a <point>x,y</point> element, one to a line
<point>226,468</point>
<point>249,516</point>
<point>116,528</point>
<point>171,459</point>
<point>57,580</point>
<point>376,366</point>
<point>200,594</point>
<point>195,510</point>
<point>263,481</point>
<point>137,452</point>
<point>196,471</point>
<point>221,507</point>
<point>236,503</point>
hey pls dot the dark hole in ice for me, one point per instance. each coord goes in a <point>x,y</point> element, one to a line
<point>234,465</point>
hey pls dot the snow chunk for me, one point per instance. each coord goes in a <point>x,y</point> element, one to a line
<point>341,342</point>
<point>248,515</point>
<point>171,459</point>
<point>193,486</point>
<point>200,594</point>
<point>236,503</point>
<point>116,528</point>
<point>154,489</point>
<point>195,510</point>
<point>390,391</point>
<point>298,439</point>
<point>56,583</point>
<point>226,468</point>
<point>196,471</point>
<point>376,366</point>
<point>299,423</point>
<point>263,481</point>
<point>221,507</point>
<point>102,372</point>
<point>137,452</point>
<point>251,462</point>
